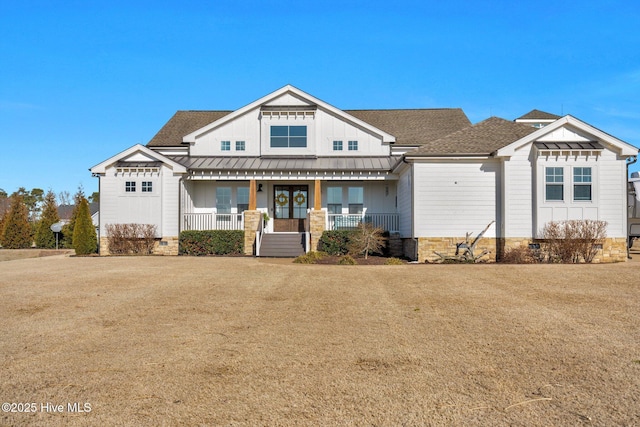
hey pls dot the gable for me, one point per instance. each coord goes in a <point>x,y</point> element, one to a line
<point>288,99</point>
<point>137,154</point>
<point>570,129</point>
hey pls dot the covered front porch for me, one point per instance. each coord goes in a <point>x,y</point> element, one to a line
<point>286,206</point>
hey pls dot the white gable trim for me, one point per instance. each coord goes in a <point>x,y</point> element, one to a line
<point>288,89</point>
<point>614,144</point>
<point>138,152</point>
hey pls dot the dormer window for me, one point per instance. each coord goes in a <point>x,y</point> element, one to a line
<point>288,136</point>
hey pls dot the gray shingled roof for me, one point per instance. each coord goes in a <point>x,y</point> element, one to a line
<point>414,127</point>
<point>538,115</point>
<point>410,127</point>
<point>183,123</point>
<point>480,139</point>
<point>287,163</point>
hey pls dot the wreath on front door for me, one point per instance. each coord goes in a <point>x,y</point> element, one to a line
<point>300,199</point>
<point>282,199</point>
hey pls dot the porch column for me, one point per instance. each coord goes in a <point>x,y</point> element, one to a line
<point>252,195</point>
<point>317,197</point>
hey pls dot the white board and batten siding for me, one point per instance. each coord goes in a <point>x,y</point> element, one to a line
<point>609,196</point>
<point>253,128</point>
<point>159,207</point>
<point>455,198</point>
<point>518,190</point>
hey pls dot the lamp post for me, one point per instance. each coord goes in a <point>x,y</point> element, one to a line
<point>56,228</point>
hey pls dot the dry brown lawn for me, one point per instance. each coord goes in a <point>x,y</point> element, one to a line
<point>242,341</point>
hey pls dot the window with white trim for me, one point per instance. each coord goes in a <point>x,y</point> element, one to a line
<point>225,145</point>
<point>337,145</point>
<point>581,184</point>
<point>223,200</point>
<point>554,184</point>
<point>356,200</point>
<point>240,146</point>
<point>334,200</point>
<point>288,136</point>
<point>147,186</point>
<point>353,145</point>
<point>130,186</point>
<point>242,199</point>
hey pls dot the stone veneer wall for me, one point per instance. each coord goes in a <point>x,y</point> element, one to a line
<point>165,246</point>
<point>614,249</point>
<point>317,225</point>
<point>251,221</point>
<point>447,246</point>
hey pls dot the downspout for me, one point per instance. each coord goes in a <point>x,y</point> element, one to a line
<point>633,160</point>
<point>180,201</point>
<point>412,216</point>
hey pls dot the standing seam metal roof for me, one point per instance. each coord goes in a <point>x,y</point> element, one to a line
<point>288,164</point>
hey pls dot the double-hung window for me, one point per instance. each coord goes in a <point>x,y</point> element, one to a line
<point>334,200</point>
<point>225,145</point>
<point>554,184</point>
<point>581,184</point>
<point>337,145</point>
<point>288,136</point>
<point>242,201</point>
<point>223,200</point>
<point>356,200</point>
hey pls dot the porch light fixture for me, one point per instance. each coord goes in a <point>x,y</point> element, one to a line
<point>259,188</point>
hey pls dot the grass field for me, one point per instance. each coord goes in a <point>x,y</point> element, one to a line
<point>245,341</point>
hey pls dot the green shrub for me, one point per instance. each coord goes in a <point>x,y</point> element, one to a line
<point>394,261</point>
<point>335,242</point>
<point>84,238</point>
<point>212,242</point>
<point>45,238</point>
<point>16,232</point>
<point>347,260</point>
<point>310,257</point>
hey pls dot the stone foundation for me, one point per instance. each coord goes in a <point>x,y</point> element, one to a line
<point>614,249</point>
<point>164,246</point>
<point>447,246</point>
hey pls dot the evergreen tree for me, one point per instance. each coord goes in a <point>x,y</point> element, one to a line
<point>84,234</point>
<point>16,233</point>
<point>67,229</point>
<point>45,238</point>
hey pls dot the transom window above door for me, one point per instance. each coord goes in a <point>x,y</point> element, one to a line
<point>288,136</point>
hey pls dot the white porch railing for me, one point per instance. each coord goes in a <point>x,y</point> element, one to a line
<point>386,221</point>
<point>212,221</point>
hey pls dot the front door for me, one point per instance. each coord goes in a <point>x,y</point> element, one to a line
<point>290,207</point>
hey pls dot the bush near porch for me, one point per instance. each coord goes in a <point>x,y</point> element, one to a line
<point>212,242</point>
<point>339,242</point>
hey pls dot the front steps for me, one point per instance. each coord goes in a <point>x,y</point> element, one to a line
<point>282,245</point>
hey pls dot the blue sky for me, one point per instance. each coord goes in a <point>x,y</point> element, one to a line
<point>83,80</point>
